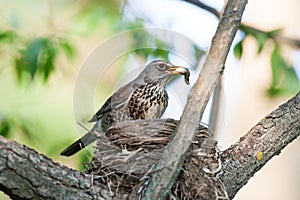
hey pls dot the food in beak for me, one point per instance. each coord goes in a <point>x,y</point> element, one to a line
<point>184,71</point>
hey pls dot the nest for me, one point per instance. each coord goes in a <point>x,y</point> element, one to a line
<point>127,154</point>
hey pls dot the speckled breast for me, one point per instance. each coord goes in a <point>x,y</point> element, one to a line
<point>148,102</point>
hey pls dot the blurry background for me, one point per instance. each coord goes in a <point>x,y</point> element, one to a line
<point>50,49</point>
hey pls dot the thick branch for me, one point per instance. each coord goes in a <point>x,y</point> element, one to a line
<point>117,173</point>
<point>169,166</point>
<point>243,159</point>
<point>25,174</point>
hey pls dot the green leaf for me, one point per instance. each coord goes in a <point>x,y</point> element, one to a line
<point>47,59</point>
<point>274,32</point>
<point>238,49</point>
<point>38,56</point>
<point>5,127</point>
<point>7,36</point>
<point>276,63</point>
<point>261,39</point>
<point>260,36</point>
<point>67,48</point>
<point>284,77</point>
<point>27,63</point>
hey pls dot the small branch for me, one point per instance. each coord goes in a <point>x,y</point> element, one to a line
<point>277,37</point>
<point>210,9</point>
<point>174,154</point>
<point>25,174</point>
<point>290,41</point>
<point>243,159</point>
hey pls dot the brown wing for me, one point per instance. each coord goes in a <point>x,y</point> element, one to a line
<point>105,108</point>
<point>118,99</point>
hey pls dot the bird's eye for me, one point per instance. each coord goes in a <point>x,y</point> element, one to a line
<point>162,66</point>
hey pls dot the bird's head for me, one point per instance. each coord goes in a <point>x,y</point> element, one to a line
<point>162,71</point>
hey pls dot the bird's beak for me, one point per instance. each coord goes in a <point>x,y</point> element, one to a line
<point>180,71</point>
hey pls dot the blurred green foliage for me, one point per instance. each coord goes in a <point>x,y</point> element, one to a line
<point>284,77</point>
<point>35,58</point>
<point>38,57</point>
<point>10,125</point>
<point>7,36</point>
<point>93,14</point>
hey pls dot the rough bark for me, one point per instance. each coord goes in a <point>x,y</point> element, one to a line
<point>127,154</point>
<point>243,159</point>
<point>169,167</point>
<point>25,174</point>
<point>118,173</point>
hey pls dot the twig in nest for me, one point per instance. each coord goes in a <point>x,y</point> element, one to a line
<point>145,141</point>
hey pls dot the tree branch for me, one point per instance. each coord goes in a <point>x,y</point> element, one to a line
<point>277,37</point>
<point>202,5</point>
<point>243,159</point>
<point>169,166</point>
<point>25,174</point>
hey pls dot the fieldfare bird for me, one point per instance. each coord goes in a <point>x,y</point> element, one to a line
<point>143,98</point>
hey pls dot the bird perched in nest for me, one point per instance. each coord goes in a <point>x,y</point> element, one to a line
<point>143,98</point>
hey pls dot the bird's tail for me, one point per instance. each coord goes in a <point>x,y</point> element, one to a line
<point>79,144</point>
